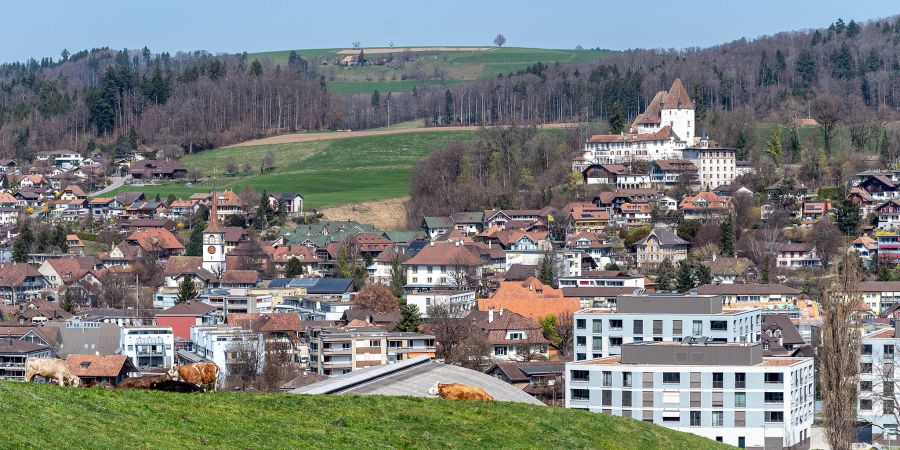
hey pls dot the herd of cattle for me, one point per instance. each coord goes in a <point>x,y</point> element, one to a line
<point>184,378</point>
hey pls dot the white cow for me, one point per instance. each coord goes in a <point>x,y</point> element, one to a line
<point>51,368</point>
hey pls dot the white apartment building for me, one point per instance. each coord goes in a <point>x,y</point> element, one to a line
<point>880,295</point>
<point>877,400</point>
<point>715,166</point>
<point>727,392</point>
<point>222,344</point>
<point>602,332</point>
<point>148,347</point>
<point>459,302</point>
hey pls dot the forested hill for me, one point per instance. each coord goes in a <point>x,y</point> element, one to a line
<point>120,100</point>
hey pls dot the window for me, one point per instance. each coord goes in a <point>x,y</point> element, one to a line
<point>671,416</point>
<point>740,399</point>
<point>889,351</point>
<point>615,342</point>
<point>607,378</point>
<point>580,340</point>
<point>718,380</point>
<point>581,375</point>
<point>866,349</point>
<point>500,351</point>
<point>865,386</point>
<point>671,397</point>
<point>374,343</point>
<point>698,328</point>
<point>597,342</point>
<point>676,327</point>
<point>580,356</point>
<point>740,418</point>
<point>581,394</point>
<point>626,400</point>
<point>695,380</point>
<point>648,399</point>
<point>718,325</point>
<point>606,398</point>
<point>597,326</point>
<point>626,379</point>
<point>865,368</point>
<point>774,378</point>
<point>581,323</point>
<point>615,324</point>
<point>775,416</point>
<point>718,418</point>
<point>671,377</point>
<point>657,327</point>
<point>865,404</point>
<point>774,397</point>
<point>695,418</point>
<point>888,407</point>
<point>718,399</point>
<point>638,327</point>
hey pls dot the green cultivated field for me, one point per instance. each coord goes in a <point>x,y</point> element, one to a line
<point>44,416</point>
<point>327,173</point>
<point>457,65</point>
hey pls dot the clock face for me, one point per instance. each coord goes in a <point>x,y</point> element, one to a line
<point>211,249</point>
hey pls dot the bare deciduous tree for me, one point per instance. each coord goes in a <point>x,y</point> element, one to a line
<point>839,353</point>
<point>247,356</point>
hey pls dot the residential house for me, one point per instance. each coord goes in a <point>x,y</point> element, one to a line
<point>181,317</point>
<point>156,241</point>
<point>888,214</point>
<point>531,299</point>
<point>813,211</point>
<point>20,282</point>
<point>603,173</point>
<point>545,381</point>
<point>309,261</point>
<point>888,246</point>
<point>866,248</point>
<point>705,205</point>
<point>292,202</point>
<point>105,207</point>
<point>60,272</point>
<point>15,353</point>
<point>100,369</point>
<point>335,351</point>
<point>73,192</point>
<point>182,209</point>
<point>216,344</point>
<point>635,214</point>
<point>797,255</point>
<point>587,217</point>
<point>146,210</point>
<point>660,244</point>
<point>727,270</point>
<point>157,169</point>
<point>457,303</point>
<point>877,396</point>
<point>666,173</point>
<point>864,200</point>
<point>880,187</point>
<point>511,336</point>
<point>441,264</point>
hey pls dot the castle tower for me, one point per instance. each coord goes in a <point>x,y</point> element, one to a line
<point>214,241</point>
<point>677,111</point>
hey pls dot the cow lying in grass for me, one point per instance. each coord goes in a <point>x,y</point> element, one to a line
<point>456,391</point>
<point>157,383</point>
<point>51,369</point>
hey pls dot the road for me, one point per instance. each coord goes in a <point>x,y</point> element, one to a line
<point>312,137</point>
<point>117,183</point>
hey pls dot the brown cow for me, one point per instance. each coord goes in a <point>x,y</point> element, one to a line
<point>51,369</point>
<point>202,375</point>
<point>145,382</point>
<point>456,391</point>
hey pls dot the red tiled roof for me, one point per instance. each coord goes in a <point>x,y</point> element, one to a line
<point>98,365</point>
<point>440,253</point>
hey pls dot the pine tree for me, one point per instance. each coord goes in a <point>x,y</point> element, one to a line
<point>546,272</point>
<point>398,277</point>
<point>617,123</point>
<point>684,279</point>
<point>68,303</point>
<point>187,290</point>
<point>766,270</point>
<point>410,319</point>
<point>702,274</point>
<point>195,241</point>
<point>448,107</point>
<point>293,268</point>
<point>664,275</point>
<point>256,68</point>
<point>726,229</point>
<point>847,217</point>
<point>23,243</point>
<point>806,67</point>
<point>774,147</point>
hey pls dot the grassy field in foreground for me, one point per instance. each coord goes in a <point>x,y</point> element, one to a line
<point>44,416</point>
<point>455,65</point>
<point>327,173</point>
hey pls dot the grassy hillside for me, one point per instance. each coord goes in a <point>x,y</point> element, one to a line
<point>103,418</point>
<point>327,173</point>
<point>455,65</point>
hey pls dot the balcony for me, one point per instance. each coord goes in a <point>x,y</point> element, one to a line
<point>336,350</point>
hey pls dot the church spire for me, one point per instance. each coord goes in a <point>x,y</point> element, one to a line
<point>214,226</point>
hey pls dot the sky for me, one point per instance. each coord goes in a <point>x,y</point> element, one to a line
<point>44,27</point>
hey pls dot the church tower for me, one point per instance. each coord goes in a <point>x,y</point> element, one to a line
<point>214,241</point>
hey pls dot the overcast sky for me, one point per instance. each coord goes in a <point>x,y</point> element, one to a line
<point>44,27</point>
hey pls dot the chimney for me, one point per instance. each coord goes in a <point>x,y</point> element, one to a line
<point>490,315</point>
<point>501,311</point>
<point>456,243</point>
<point>432,243</point>
<point>489,244</point>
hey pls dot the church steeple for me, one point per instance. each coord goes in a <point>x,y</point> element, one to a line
<point>214,240</point>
